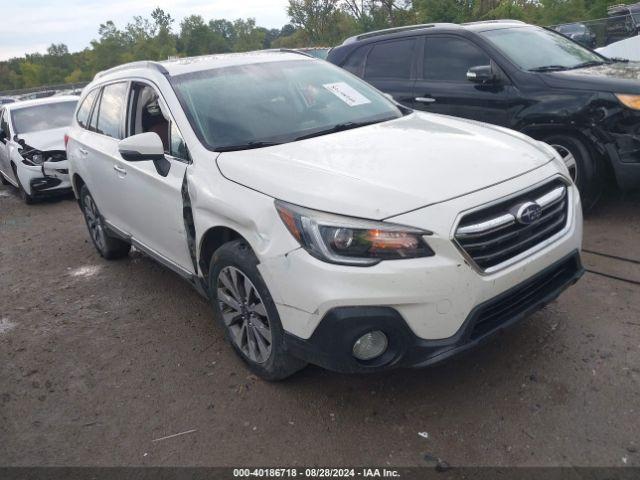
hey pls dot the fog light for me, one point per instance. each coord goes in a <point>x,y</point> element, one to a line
<point>370,345</point>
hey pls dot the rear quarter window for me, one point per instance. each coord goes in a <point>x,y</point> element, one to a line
<point>85,109</point>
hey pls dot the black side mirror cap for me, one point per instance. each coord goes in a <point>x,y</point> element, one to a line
<point>484,75</point>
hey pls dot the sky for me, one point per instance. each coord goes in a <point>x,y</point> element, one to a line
<point>30,26</point>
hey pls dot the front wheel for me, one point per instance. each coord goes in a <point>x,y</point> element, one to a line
<point>3,180</point>
<point>243,305</point>
<point>584,167</point>
<point>109,247</point>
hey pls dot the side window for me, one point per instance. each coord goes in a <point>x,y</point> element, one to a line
<point>391,60</point>
<point>177,148</point>
<point>112,108</point>
<point>85,109</point>
<point>146,115</point>
<point>355,61</point>
<point>450,58</point>
<point>93,121</point>
<point>4,124</point>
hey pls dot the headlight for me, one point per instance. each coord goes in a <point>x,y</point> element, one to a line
<point>631,101</point>
<point>351,241</point>
<point>34,157</point>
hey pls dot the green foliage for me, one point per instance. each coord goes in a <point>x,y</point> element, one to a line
<point>313,23</point>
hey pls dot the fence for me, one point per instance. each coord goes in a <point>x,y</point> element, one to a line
<point>45,91</point>
<point>606,30</point>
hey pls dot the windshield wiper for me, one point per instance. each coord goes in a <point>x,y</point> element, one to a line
<point>590,63</point>
<point>340,127</point>
<point>246,146</point>
<point>549,68</point>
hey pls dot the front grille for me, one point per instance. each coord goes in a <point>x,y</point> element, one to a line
<point>534,292</point>
<point>495,234</point>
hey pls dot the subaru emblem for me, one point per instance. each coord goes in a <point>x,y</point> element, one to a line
<point>528,213</point>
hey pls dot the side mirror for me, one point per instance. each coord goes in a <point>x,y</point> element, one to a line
<point>141,147</point>
<point>484,75</point>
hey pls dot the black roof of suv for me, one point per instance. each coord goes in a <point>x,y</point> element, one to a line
<point>516,75</point>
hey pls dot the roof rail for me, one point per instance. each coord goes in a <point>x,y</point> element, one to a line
<point>501,20</point>
<point>292,50</point>
<point>127,66</point>
<point>386,31</point>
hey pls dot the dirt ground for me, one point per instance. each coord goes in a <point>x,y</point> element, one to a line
<point>100,360</point>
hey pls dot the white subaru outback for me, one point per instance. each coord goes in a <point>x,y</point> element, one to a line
<point>325,223</point>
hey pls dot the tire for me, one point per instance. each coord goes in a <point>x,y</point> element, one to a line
<point>26,198</point>
<point>108,246</point>
<point>585,168</point>
<point>250,320</point>
<point>3,180</point>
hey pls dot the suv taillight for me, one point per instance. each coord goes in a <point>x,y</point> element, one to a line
<point>66,140</point>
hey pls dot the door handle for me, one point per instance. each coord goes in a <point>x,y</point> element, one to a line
<point>425,99</point>
<point>120,170</point>
<point>83,151</point>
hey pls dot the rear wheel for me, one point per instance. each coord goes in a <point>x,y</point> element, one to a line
<point>26,198</point>
<point>584,167</point>
<point>243,305</point>
<point>109,247</point>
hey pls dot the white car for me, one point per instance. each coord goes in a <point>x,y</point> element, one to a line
<point>325,223</point>
<point>32,150</point>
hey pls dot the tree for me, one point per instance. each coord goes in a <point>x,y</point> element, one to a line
<point>315,17</point>
<point>248,37</point>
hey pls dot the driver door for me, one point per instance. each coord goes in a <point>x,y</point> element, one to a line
<point>155,205</point>
<point>442,86</point>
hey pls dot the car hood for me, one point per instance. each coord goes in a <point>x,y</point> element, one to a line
<point>617,77</point>
<point>388,168</point>
<point>45,140</point>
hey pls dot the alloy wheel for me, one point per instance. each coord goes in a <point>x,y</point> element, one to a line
<point>244,314</point>
<point>569,160</point>
<point>94,222</point>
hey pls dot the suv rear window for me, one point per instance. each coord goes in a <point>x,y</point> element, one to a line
<point>390,60</point>
<point>450,58</point>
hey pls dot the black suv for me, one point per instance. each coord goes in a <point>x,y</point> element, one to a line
<point>623,22</point>
<point>515,75</point>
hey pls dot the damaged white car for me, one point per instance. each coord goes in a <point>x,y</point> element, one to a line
<point>32,150</point>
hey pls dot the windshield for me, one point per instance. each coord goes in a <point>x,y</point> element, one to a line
<point>276,102</point>
<point>43,117</point>
<point>533,48</point>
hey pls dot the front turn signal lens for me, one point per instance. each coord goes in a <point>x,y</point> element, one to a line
<point>631,101</point>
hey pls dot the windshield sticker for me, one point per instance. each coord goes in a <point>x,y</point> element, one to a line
<point>347,94</point>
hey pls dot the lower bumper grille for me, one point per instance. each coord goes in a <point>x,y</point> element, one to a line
<point>493,235</point>
<point>540,289</point>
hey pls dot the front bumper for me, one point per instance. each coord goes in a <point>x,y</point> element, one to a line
<point>50,178</point>
<point>331,344</point>
<point>624,155</point>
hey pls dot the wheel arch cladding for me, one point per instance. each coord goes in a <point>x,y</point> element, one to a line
<point>77,183</point>
<point>540,132</point>
<point>213,239</point>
